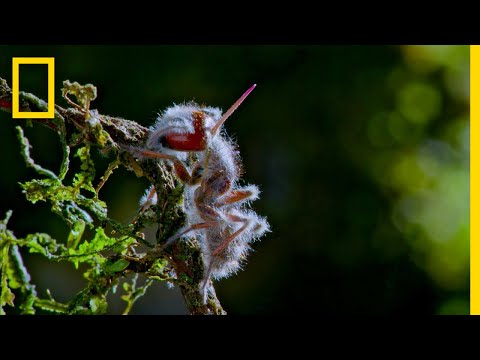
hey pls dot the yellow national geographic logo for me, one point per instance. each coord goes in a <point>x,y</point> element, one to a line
<point>16,62</point>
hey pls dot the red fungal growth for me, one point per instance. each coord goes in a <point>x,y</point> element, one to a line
<point>5,104</point>
<point>189,142</point>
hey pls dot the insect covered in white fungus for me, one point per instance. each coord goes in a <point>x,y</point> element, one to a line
<point>215,203</point>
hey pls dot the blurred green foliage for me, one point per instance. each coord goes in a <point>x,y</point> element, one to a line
<point>361,152</point>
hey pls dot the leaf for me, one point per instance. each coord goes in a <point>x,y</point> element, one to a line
<point>117,266</point>
<point>27,306</point>
<point>17,274</point>
<point>52,306</point>
<point>83,93</point>
<point>66,200</point>
<point>4,222</point>
<point>6,295</point>
<point>26,155</point>
<point>115,286</point>
<point>134,293</point>
<point>84,178</point>
<point>121,247</point>
<point>90,251</point>
<point>14,273</point>
<point>159,264</point>
<point>43,244</point>
<point>76,234</point>
<point>19,278</point>
<point>35,247</point>
<point>98,304</point>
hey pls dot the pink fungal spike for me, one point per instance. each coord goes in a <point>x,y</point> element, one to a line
<point>232,109</point>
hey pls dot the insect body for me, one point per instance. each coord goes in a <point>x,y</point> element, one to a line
<point>215,202</point>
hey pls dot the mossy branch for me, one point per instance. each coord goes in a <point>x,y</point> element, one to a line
<point>78,126</point>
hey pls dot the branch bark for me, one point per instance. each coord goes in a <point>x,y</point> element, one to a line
<point>184,256</point>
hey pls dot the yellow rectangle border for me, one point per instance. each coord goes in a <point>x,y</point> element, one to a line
<point>474,179</point>
<point>16,62</point>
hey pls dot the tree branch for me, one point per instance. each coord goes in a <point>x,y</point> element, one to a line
<point>183,256</point>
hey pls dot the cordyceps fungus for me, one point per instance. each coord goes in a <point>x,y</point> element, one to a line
<point>215,203</point>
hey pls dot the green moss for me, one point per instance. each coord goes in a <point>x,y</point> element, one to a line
<point>108,255</point>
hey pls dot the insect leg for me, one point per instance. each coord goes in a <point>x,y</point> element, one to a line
<point>180,169</point>
<point>203,225</point>
<point>239,195</point>
<point>229,239</point>
<point>149,199</point>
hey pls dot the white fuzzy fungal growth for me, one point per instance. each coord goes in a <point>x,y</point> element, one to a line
<point>148,198</point>
<point>215,204</point>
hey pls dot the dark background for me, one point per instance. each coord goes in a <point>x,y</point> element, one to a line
<point>361,153</point>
